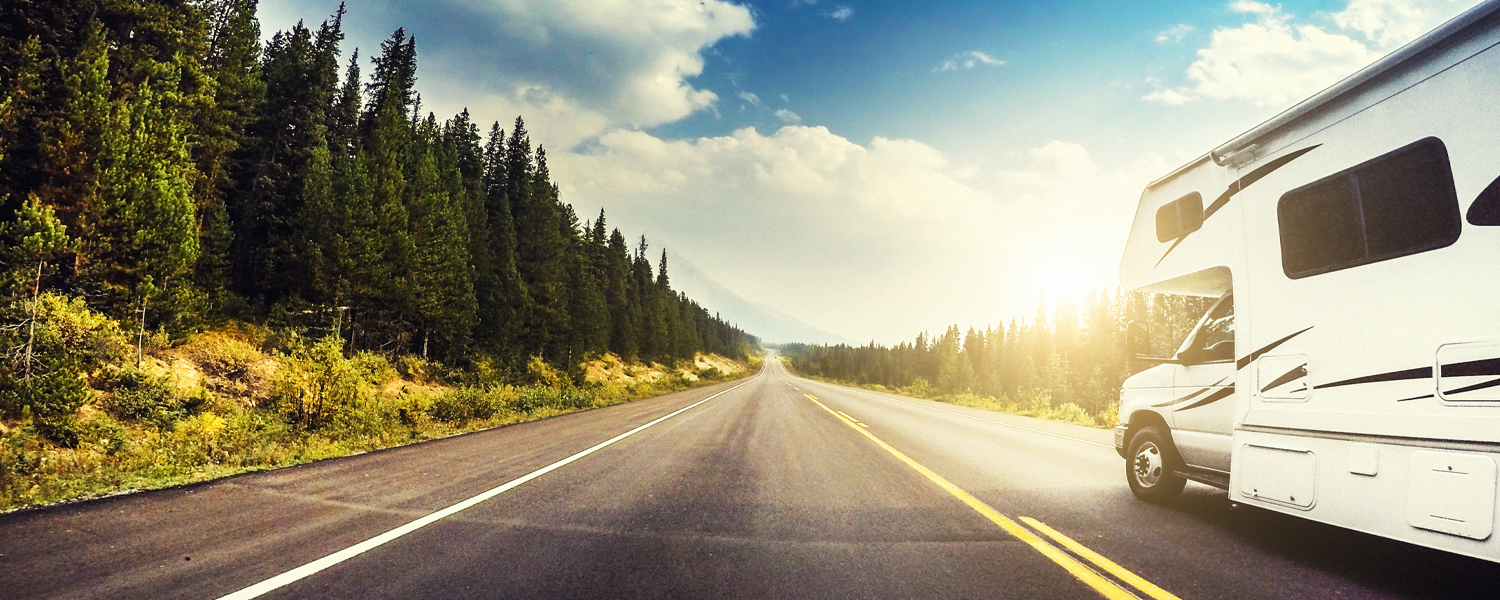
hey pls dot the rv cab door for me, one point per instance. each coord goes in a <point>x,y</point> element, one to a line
<point>1204,421</point>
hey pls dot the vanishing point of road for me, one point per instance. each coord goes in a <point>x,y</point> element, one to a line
<point>767,487</point>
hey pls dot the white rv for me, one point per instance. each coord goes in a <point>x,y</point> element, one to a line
<point>1350,372</point>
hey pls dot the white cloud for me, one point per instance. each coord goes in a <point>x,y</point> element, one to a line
<point>841,13</point>
<point>1252,7</point>
<point>1267,62</point>
<point>787,116</point>
<point>590,65</point>
<point>967,60</point>
<point>750,97</point>
<point>1174,34</point>
<point>1274,61</point>
<point>1168,97</point>
<point>1390,23</point>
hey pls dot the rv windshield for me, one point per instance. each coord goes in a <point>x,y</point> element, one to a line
<point>1213,339</point>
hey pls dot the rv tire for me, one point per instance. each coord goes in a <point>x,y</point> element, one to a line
<point>1149,466</point>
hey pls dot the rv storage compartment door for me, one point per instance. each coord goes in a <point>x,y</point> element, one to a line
<point>1279,475</point>
<point>1452,492</point>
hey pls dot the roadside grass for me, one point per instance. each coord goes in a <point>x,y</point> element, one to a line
<point>1029,403</point>
<point>222,403</point>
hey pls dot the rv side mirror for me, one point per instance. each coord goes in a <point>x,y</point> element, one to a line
<point>1137,339</point>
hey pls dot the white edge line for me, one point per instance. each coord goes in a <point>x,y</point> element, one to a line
<point>313,567</point>
<point>864,393</point>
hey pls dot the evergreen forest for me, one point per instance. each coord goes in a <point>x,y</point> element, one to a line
<point>166,167</point>
<point>223,252</point>
<point>1074,355</point>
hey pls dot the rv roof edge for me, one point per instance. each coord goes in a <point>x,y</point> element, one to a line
<point>1178,171</point>
<point>1350,83</point>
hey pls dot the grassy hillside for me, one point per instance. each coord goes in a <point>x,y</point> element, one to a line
<point>101,411</point>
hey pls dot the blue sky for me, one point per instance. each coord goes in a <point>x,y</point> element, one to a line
<point>1070,70</point>
<point>878,168</point>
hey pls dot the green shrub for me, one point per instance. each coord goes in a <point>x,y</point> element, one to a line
<point>72,327</point>
<point>919,388</point>
<point>143,396</point>
<point>1072,413</point>
<point>418,369</point>
<point>56,350</point>
<point>464,404</point>
<point>373,367</point>
<point>21,453</point>
<point>1110,416</point>
<point>533,397</point>
<point>541,373</point>
<point>222,355</point>
<point>316,381</point>
<point>102,431</point>
<point>572,398</point>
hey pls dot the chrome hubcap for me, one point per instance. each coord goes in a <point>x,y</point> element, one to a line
<point>1148,464</point>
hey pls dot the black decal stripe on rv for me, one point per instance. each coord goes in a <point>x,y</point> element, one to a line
<point>1486,208</point>
<point>1422,373</point>
<point>1182,399</point>
<point>1253,177</point>
<point>1237,187</point>
<point>1473,368</point>
<point>1212,398</point>
<point>1474,388</point>
<point>1192,395</point>
<point>1288,377</point>
<point>1169,250</point>
<point>1247,359</point>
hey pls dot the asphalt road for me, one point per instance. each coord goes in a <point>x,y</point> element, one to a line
<point>774,487</point>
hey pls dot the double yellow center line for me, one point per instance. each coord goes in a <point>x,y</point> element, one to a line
<point>1104,585</point>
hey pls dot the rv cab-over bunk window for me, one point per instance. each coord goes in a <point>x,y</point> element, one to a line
<point>1398,204</point>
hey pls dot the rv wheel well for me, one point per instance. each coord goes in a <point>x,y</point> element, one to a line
<point>1144,418</point>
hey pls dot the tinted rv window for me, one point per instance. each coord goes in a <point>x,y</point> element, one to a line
<point>1398,204</point>
<point>1179,217</point>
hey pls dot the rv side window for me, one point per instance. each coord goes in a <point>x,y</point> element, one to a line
<point>1179,217</point>
<point>1398,204</point>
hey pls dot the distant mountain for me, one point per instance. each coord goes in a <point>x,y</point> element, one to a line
<point>764,322</point>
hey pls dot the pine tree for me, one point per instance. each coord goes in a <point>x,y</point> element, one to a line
<point>300,71</point>
<point>653,333</point>
<point>539,243</point>
<point>28,242</point>
<point>385,157</point>
<point>70,140</point>
<point>511,303</point>
<point>395,77</point>
<point>233,56</point>
<point>465,179</point>
<point>357,277</point>
<point>23,93</point>
<point>137,229</point>
<point>622,300</point>
<point>443,285</point>
<point>343,118</point>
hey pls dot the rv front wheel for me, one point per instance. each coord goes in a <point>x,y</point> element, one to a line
<point>1148,466</point>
